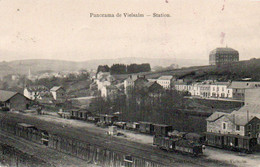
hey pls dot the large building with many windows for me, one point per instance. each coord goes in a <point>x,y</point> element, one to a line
<point>220,56</point>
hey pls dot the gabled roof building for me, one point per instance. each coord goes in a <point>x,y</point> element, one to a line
<point>13,100</point>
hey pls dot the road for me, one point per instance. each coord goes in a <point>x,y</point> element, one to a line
<point>98,137</point>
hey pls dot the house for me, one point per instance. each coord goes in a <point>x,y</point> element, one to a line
<point>129,83</point>
<point>235,123</point>
<point>108,119</point>
<point>102,83</point>
<point>35,92</point>
<point>45,98</point>
<point>153,88</point>
<point>109,91</point>
<point>252,96</point>
<point>58,92</point>
<point>239,87</point>
<point>244,122</point>
<point>195,89</point>
<point>221,90</point>
<point>165,81</point>
<point>182,86</point>
<point>204,90</point>
<point>102,74</point>
<point>13,100</point>
<point>104,79</point>
<point>80,114</point>
<point>140,82</point>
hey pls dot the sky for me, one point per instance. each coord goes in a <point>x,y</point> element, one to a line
<point>63,29</point>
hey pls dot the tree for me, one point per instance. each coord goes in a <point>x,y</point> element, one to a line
<point>103,68</point>
<point>118,69</point>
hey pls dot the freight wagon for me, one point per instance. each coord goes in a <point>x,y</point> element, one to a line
<point>177,144</point>
<point>161,129</point>
<point>132,125</point>
<point>146,127</point>
<point>231,142</point>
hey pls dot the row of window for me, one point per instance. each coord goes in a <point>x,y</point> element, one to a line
<point>223,89</point>
<point>164,82</point>
<point>249,127</point>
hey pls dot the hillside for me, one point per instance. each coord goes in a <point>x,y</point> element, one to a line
<point>38,65</point>
<point>234,71</point>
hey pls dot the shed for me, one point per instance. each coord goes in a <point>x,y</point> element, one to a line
<point>108,119</point>
<point>13,100</point>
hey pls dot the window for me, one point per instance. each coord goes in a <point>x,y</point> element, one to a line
<point>237,128</point>
<point>224,126</point>
<point>249,127</point>
<point>257,126</point>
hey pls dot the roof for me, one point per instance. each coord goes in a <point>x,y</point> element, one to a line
<point>224,51</point>
<point>38,88</point>
<point>106,115</point>
<point>216,115</point>
<point>239,117</point>
<point>141,122</point>
<point>193,136</point>
<point>46,95</point>
<point>162,125</point>
<point>25,125</point>
<point>244,85</point>
<point>55,88</point>
<point>251,108</point>
<point>132,78</point>
<point>221,83</point>
<point>6,95</point>
<point>148,84</point>
<point>165,77</point>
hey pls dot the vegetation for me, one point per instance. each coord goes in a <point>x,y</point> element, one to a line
<point>140,105</point>
<point>124,69</point>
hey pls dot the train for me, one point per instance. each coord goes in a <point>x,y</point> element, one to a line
<point>165,134</point>
<point>188,143</point>
<point>232,142</point>
<point>178,144</point>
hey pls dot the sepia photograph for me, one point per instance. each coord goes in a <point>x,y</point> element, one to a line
<point>130,83</point>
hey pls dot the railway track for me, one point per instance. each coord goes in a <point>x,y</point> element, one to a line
<point>98,138</point>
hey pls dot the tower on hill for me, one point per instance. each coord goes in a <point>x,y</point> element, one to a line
<point>220,56</point>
